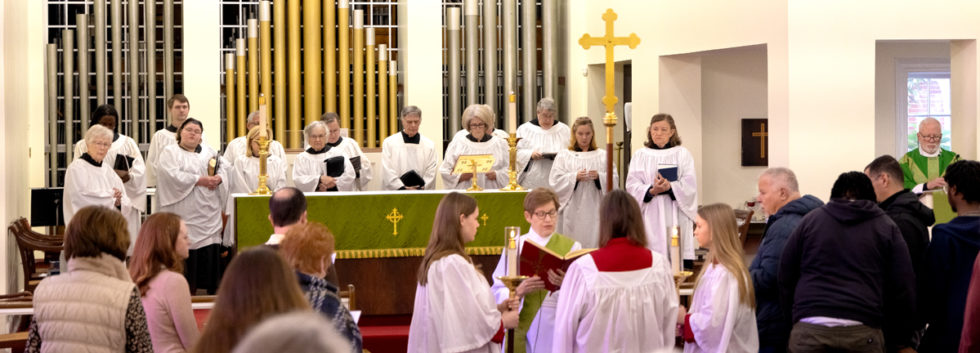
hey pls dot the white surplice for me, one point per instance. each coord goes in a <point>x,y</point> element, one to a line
<point>662,213</point>
<point>462,147</point>
<point>534,173</point>
<point>136,186</point>
<point>628,311</point>
<point>579,212</point>
<point>245,174</point>
<point>719,321</point>
<point>398,157</point>
<point>539,334</point>
<point>454,311</point>
<point>90,185</point>
<point>308,167</point>
<point>200,208</point>
<point>236,149</point>
<point>350,149</point>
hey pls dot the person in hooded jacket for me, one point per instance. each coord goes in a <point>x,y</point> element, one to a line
<point>950,257</point>
<point>846,276</point>
<point>779,194</point>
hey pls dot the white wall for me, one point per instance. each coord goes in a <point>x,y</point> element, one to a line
<point>420,65</point>
<point>887,53</point>
<point>733,88</point>
<point>203,66</point>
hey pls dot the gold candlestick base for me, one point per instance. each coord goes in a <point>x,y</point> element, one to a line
<point>512,282</point>
<point>512,184</point>
<point>680,277</point>
<point>263,188</point>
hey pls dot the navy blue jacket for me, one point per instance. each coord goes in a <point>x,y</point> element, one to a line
<point>773,326</point>
<point>949,265</point>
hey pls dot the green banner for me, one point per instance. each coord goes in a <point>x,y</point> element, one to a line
<point>375,224</point>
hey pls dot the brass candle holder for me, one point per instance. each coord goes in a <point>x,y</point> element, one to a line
<point>263,188</point>
<point>512,170</point>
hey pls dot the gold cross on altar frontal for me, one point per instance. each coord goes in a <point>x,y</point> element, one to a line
<point>762,134</point>
<point>485,218</point>
<point>394,217</point>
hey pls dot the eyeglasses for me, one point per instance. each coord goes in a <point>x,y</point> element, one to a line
<point>932,137</point>
<point>102,144</point>
<point>542,214</point>
<point>478,125</point>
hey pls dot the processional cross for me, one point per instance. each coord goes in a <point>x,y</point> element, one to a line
<point>609,41</point>
<point>394,217</point>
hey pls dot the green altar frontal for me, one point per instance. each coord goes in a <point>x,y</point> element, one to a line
<point>384,224</point>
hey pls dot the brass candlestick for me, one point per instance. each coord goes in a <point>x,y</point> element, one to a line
<point>512,171</point>
<point>511,282</point>
<point>475,187</point>
<point>263,188</point>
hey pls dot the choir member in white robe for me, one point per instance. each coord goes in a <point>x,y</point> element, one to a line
<point>503,135</point>
<point>454,309</point>
<point>722,316</point>
<point>245,174</point>
<point>237,147</point>
<point>90,181</point>
<point>179,108</point>
<point>349,148</point>
<point>408,151</point>
<point>579,178</point>
<point>540,141</point>
<point>476,118</point>
<point>187,189</point>
<point>621,297</point>
<point>309,168</point>
<point>664,203</point>
<point>133,179</point>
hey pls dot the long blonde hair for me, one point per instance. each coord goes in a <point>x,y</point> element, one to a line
<point>726,249</point>
<point>582,121</point>
<point>446,238</point>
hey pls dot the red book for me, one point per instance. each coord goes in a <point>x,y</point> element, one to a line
<point>537,260</point>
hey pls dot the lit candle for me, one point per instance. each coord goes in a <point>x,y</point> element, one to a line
<point>262,124</point>
<point>511,114</point>
<point>675,250</point>
<point>512,251</point>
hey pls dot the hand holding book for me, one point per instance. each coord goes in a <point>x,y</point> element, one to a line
<point>540,261</point>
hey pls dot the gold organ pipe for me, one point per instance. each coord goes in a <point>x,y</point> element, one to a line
<point>393,95</point>
<point>279,57</point>
<point>82,25</point>
<point>383,91</point>
<point>370,64</point>
<point>311,61</point>
<point>99,29</point>
<point>343,41</point>
<point>149,31</point>
<point>253,66</point>
<point>68,61</point>
<point>265,51</point>
<point>115,12</point>
<point>295,107</point>
<point>133,27</point>
<point>358,72</point>
<point>52,104</point>
<point>329,56</point>
<point>240,67</point>
<point>229,96</point>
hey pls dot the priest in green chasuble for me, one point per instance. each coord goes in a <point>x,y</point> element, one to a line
<point>925,166</point>
<point>537,316</point>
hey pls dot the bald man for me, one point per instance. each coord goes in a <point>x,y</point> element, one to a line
<point>925,166</point>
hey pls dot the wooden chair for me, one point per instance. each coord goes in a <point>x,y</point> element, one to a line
<point>28,242</point>
<point>744,218</point>
<point>351,297</point>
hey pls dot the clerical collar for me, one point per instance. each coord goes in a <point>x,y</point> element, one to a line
<point>486,137</point>
<point>667,146</point>
<point>323,150</point>
<point>196,149</point>
<point>411,139</point>
<point>578,149</point>
<point>172,128</point>
<point>115,136</point>
<point>88,158</point>
<point>929,155</point>
<point>535,122</point>
<point>538,238</point>
<point>335,144</point>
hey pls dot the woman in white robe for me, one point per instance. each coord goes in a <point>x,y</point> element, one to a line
<point>579,178</point>
<point>236,148</point>
<point>722,316</point>
<point>454,309</point>
<point>621,297</point>
<point>539,139</point>
<point>408,151</point>
<point>90,180</point>
<point>187,188</point>
<point>245,174</point>
<point>664,203</point>
<point>349,148</point>
<point>309,168</point>
<point>477,118</point>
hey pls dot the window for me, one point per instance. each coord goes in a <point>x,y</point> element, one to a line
<point>923,87</point>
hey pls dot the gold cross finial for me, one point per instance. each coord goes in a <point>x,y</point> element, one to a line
<point>762,134</point>
<point>485,218</point>
<point>609,41</point>
<point>394,217</point>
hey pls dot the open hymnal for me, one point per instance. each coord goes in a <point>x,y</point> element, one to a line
<point>537,260</point>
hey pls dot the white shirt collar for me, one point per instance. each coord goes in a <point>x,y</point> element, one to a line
<point>537,239</point>
<point>930,155</point>
<point>274,239</point>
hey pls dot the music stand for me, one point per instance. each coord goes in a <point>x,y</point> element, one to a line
<point>46,209</point>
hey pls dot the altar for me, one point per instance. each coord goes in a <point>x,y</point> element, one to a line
<point>381,236</point>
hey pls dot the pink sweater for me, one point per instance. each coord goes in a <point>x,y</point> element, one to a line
<point>169,316</point>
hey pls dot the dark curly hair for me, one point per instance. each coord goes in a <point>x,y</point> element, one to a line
<point>853,186</point>
<point>964,175</point>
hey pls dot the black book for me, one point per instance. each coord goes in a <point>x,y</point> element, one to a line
<point>356,162</point>
<point>550,156</point>
<point>335,166</point>
<point>668,171</point>
<point>411,178</point>
<point>123,162</point>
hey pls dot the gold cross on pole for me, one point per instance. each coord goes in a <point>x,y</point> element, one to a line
<point>609,41</point>
<point>762,134</point>
<point>394,217</point>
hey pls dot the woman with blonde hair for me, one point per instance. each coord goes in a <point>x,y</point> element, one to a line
<point>478,120</point>
<point>722,316</point>
<point>454,308</point>
<point>258,285</point>
<point>156,267</point>
<point>245,175</point>
<point>578,176</point>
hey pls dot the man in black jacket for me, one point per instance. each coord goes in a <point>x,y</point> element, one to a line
<point>846,276</point>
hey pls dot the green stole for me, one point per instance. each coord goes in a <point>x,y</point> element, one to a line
<point>532,301</point>
<point>919,169</point>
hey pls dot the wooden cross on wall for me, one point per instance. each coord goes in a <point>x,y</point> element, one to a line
<point>754,143</point>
